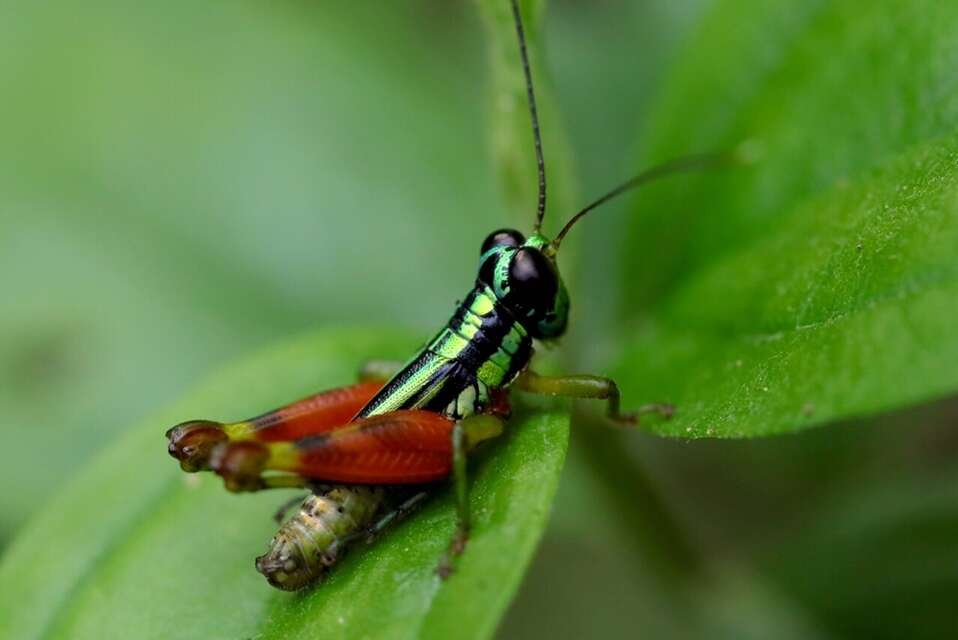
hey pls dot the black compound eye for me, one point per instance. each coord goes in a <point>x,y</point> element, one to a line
<point>533,281</point>
<point>502,238</point>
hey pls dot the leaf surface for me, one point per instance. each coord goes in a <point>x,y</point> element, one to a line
<point>135,548</point>
<point>820,281</point>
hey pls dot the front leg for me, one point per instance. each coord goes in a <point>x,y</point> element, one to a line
<point>588,387</point>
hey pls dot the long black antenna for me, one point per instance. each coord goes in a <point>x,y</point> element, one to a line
<point>670,167</point>
<point>533,112</point>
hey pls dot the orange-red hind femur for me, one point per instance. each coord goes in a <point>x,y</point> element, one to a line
<point>193,442</point>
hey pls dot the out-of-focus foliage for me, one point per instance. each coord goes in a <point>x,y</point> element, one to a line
<point>803,288</point>
<point>183,183</point>
<point>180,183</point>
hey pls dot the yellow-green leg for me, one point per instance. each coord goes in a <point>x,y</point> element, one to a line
<point>466,434</point>
<point>588,387</point>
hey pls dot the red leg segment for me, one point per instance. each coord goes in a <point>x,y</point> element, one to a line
<point>193,442</point>
<point>315,414</point>
<point>402,447</point>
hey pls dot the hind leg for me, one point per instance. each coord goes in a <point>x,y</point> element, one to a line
<point>195,442</point>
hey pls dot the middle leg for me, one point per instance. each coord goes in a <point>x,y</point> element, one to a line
<point>465,434</point>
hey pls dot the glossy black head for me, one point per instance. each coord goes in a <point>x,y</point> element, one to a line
<point>502,238</point>
<point>524,278</point>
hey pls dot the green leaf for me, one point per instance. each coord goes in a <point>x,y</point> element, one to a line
<point>821,281</point>
<point>135,548</point>
<point>204,175</point>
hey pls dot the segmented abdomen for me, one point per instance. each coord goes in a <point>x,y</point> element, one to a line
<point>312,540</point>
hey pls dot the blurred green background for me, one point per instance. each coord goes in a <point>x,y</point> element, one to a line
<point>183,182</point>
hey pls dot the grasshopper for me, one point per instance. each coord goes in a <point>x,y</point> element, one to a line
<point>368,452</point>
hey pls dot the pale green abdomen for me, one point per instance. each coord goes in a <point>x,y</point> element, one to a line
<point>312,540</point>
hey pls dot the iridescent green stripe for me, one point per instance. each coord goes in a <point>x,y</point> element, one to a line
<point>414,382</point>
